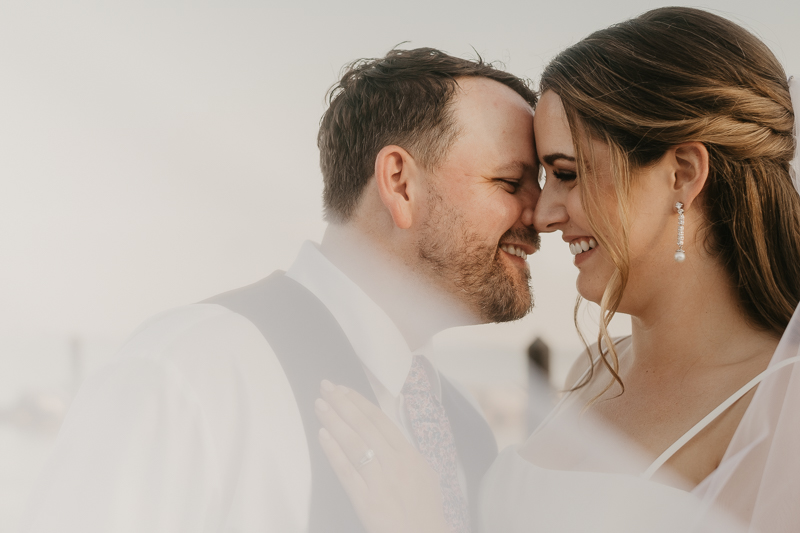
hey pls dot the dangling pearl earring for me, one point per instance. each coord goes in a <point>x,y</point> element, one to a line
<point>680,255</point>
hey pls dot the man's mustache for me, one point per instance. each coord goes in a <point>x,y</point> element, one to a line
<point>527,236</point>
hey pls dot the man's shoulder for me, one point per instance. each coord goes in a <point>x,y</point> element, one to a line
<point>200,327</point>
<point>201,348</point>
<point>202,353</point>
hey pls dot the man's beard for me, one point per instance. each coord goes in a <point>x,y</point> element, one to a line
<point>458,256</point>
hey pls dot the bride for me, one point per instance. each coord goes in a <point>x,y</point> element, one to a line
<point>666,142</point>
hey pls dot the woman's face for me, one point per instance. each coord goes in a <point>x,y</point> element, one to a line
<point>653,220</point>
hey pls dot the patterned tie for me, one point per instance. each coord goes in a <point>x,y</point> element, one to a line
<point>435,440</point>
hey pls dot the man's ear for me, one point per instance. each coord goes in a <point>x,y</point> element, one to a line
<point>691,171</point>
<point>397,176</point>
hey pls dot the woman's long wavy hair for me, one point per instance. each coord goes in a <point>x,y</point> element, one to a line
<point>674,75</point>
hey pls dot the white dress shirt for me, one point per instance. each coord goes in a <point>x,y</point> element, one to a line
<point>194,426</point>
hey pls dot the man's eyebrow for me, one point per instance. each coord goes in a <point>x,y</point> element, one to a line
<point>516,167</point>
<point>552,158</point>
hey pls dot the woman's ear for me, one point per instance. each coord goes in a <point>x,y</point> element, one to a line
<point>691,171</point>
<point>397,177</point>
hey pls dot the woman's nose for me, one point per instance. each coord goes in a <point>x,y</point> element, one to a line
<point>529,200</point>
<point>550,212</point>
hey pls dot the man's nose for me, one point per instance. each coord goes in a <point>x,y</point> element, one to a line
<point>550,211</point>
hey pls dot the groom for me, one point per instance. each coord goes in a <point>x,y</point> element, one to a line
<point>205,422</point>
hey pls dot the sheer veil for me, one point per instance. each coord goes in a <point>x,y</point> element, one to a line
<point>758,479</point>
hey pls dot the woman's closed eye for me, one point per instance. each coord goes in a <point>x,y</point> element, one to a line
<point>564,175</point>
<point>560,175</point>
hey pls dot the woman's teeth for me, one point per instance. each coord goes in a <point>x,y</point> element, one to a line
<point>513,250</point>
<point>578,247</point>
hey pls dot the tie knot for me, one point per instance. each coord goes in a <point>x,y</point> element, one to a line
<point>418,380</point>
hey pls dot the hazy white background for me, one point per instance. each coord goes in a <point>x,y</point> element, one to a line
<point>153,154</point>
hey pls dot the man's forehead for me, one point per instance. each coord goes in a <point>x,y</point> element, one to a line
<point>495,128</point>
<point>479,91</point>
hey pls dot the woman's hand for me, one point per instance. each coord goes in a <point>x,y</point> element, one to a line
<point>392,487</point>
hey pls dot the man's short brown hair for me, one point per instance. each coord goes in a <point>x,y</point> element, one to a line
<point>402,99</point>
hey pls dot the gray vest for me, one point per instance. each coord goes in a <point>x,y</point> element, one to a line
<point>280,307</point>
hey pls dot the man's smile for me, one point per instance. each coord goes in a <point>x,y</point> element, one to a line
<point>520,250</point>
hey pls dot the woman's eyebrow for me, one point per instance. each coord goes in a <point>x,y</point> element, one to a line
<point>552,158</point>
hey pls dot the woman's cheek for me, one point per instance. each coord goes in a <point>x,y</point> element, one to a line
<point>575,208</point>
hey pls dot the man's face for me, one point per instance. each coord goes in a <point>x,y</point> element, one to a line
<point>479,213</point>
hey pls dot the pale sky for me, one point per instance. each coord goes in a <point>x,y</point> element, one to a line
<point>157,153</point>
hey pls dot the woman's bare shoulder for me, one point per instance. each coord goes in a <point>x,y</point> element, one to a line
<point>590,357</point>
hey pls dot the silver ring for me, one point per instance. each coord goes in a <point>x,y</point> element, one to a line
<point>368,456</point>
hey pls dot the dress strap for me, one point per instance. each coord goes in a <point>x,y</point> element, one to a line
<point>710,417</point>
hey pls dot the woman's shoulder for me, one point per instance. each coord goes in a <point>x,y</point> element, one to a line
<point>591,357</point>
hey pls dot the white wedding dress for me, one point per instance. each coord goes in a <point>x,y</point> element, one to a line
<point>521,496</point>
<point>573,475</point>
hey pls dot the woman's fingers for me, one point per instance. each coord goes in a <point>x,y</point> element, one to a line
<point>341,400</point>
<point>379,509</point>
<point>350,442</point>
<point>391,490</point>
<point>383,423</point>
<point>354,485</point>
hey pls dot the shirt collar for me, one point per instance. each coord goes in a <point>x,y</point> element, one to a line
<point>376,340</point>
